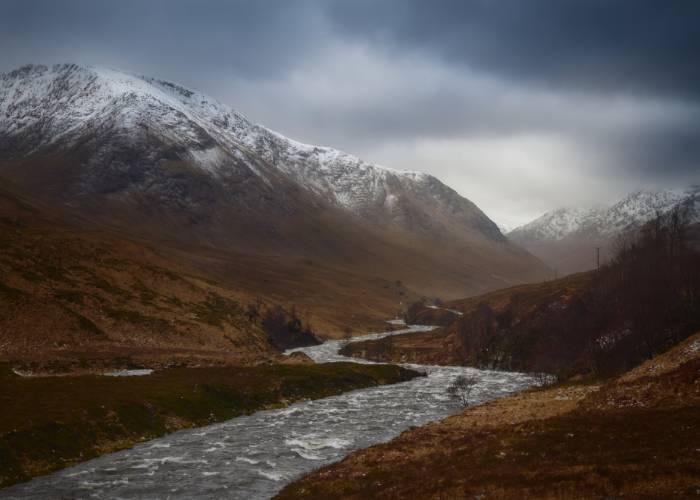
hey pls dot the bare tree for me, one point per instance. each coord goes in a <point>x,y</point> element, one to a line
<point>462,388</point>
<point>544,379</point>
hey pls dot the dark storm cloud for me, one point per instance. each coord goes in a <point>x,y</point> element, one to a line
<point>519,105</point>
<point>599,45</point>
<point>253,38</point>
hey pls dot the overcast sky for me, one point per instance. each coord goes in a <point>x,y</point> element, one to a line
<point>521,106</point>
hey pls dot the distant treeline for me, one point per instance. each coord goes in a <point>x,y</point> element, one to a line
<point>644,301</point>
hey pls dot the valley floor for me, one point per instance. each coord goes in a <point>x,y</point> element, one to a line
<point>635,437</point>
<point>48,423</point>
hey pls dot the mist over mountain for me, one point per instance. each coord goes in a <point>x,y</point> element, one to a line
<point>172,165</point>
<point>567,238</point>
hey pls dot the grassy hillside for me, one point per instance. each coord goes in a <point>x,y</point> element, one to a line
<point>70,299</point>
<point>96,286</point>
<point>78,298</point>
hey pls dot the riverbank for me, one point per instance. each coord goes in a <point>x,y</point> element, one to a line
<point>635,436</point>
<point>48,423</point>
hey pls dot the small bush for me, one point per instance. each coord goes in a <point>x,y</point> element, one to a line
<point>286,330</point>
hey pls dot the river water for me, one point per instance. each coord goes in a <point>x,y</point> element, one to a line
<point>255,456</point>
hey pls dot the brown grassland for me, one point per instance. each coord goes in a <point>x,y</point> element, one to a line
<point>76,299</point>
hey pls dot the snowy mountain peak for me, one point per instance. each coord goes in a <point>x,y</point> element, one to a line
<point>44,109</point>
<point>632,211</point>
<point>557,224</point>
<point>638,207</point>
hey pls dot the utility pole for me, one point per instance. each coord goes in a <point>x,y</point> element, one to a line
<point>597,258</point>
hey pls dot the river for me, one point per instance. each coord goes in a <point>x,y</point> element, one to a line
<point>255,456</point>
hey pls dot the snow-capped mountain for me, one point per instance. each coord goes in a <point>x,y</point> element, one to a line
<point>41,108</point>
<point>555,225</point>
<point>630,212</point>
<point>556,236</point>
<point>157,158</point>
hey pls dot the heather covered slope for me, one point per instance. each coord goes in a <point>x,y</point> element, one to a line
<point>84,300</point>
<point>635,436</point>
<point>178,168</point>
<point>70,291</point>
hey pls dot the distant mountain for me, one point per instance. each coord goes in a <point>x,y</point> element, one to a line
<point>566,238</point>
<point>172,165</point>
<point>555,225</point>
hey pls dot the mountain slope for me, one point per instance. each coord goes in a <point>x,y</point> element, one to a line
<point>84,300</point>
<point>161,162</point>
<point>566,238</point>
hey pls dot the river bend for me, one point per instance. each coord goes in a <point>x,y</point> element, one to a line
<point>255,456</point>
